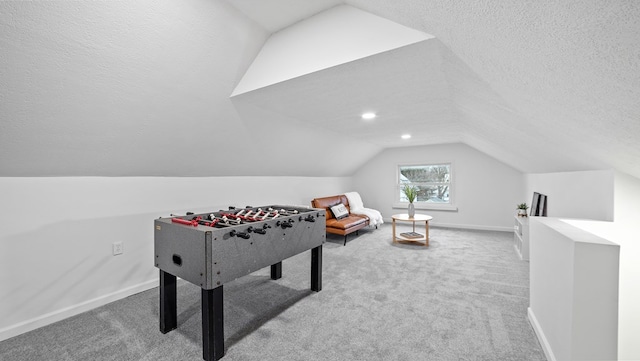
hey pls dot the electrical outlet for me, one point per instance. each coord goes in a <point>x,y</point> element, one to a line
<point>118,248</point>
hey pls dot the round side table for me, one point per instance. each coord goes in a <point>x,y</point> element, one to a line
<point>411,236</point>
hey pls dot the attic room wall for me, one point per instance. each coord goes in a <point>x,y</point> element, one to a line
<point>56,240</point>
<point>624,231</point>
<point>627,214</point>
<point>486,190</point>
<point>113,88</point>
<point>585,194</point>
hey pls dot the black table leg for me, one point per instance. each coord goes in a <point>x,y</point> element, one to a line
<point>276,271</point>
<point>212,324</point>
<point>316,269</point>
<point>168,310</point>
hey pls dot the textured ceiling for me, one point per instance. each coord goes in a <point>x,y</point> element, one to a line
<point>542,88</point>
<point>405,87</point>
<point>277,15</point>
<point>333,37</point>
<point>99,88</point>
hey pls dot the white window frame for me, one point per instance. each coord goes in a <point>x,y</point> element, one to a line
<point>451,206</point>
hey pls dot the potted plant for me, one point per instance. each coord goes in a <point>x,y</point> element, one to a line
<point>411,192</point>
<point>522,209</point>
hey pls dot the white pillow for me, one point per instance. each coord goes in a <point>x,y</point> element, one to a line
<point>339,211</point>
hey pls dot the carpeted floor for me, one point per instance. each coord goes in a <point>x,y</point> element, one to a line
<point>463,298</point>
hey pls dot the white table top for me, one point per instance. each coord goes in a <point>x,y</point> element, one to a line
<point>416,217</point>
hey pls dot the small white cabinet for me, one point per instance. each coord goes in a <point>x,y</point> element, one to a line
<point>521,237</point>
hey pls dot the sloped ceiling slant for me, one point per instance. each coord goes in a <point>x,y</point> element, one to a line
<point>334,37</point>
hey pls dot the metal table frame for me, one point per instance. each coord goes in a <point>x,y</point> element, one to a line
<point>212,306</point>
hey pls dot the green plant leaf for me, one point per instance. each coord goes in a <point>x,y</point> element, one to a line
<point>411,192</point>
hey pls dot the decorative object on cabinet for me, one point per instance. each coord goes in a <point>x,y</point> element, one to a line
<point>522,209</point>
<point>539,205</point>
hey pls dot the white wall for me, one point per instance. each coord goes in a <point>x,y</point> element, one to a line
<point>624,231</point>
<point>57,234</point>
<point>573,291</point>
<point>594,197</point>
<point>87,85</point>
<point>486,191</point>
<point>627,214</point>
<point>584,194</point>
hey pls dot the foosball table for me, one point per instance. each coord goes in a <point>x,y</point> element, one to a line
<point>211,249</point>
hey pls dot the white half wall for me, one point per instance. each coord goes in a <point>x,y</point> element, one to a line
<point>582,194</point>
<point>573,291</point>
<point>627,214</point>
<point>57,233</point>
<point>485,190</point>
<point>624,231</point>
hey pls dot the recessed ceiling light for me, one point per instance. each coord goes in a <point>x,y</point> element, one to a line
<point>368,116</point>
<point>405,136</point>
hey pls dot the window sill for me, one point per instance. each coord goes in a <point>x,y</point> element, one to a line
<point>428,206</point>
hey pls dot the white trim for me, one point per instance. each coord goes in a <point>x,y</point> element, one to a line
<point>475,227</point>
<point>427,206</point>
<point>59,315</point>
<point>546,347</point>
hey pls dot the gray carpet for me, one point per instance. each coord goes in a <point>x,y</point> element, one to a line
<point>463,298</point>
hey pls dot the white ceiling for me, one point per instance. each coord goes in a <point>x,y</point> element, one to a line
<point>333,37</point>
<point>405,87</point>
<point>279,14</point>
<point>99,88</point>
<point>429,90</point>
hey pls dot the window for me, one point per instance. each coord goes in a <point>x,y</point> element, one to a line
<point>433,182</point>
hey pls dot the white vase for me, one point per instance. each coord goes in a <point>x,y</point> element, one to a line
<point>412,210</point>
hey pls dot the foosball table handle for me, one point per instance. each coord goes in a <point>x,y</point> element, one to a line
<point>244,235</point>
<point>257,230</point>
<point>285,224</point>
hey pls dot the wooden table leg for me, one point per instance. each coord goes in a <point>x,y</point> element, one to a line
<point>393,226</point>
<point>426,233</point>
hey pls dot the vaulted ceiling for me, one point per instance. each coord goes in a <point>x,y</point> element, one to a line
<point>150,88</point>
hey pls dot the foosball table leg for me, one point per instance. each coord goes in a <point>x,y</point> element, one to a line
<point>212,324</point>
<point>168,310</point>
<point>276,271</point>
<point>316,269</point>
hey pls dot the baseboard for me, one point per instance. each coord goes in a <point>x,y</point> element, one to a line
<point>518,253</point>
<point>548,352</point>
<point>55,316</point>
<point>462,226</point>
<point>472,227</point>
